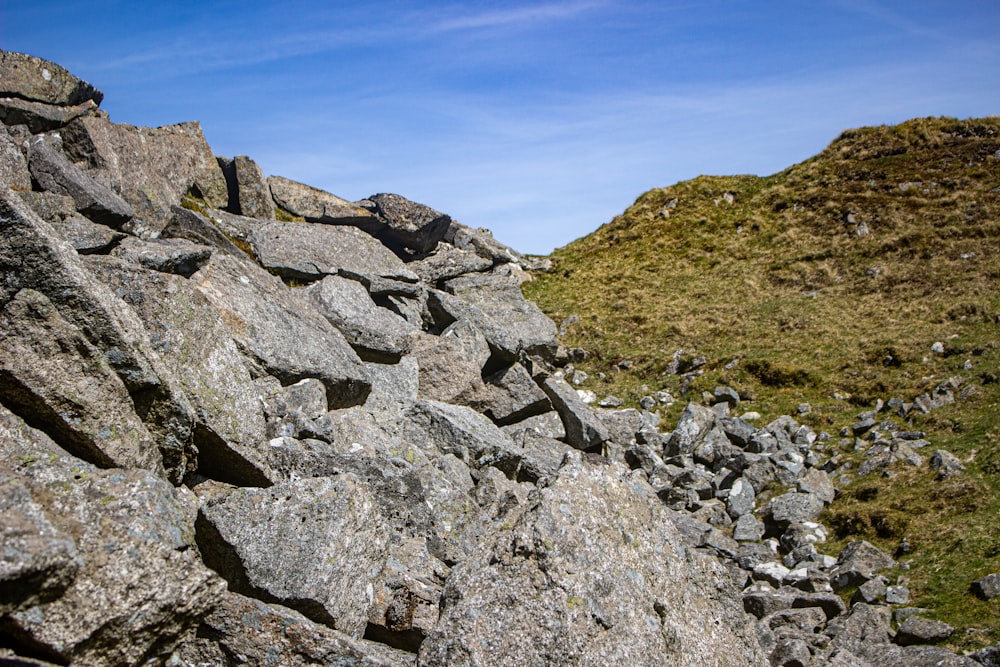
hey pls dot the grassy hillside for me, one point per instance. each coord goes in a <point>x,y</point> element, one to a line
<point>826,284</point>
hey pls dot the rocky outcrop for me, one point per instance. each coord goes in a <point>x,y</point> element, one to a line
<point>226,439</point>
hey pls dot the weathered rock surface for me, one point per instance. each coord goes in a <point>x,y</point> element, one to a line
<point>406,224</point>
<point>279,331</point>
<point>311,251</point>
<point>150,168</point>
<point>13,164</point>
<point>32,78</point>
<point>592,574</point>
<point>38,116</point>
<point>315,205</point>
<point>317,545</point>
<point>248,191</point>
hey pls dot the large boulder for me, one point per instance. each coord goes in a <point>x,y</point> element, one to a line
<point>85,236</point>
<point>54,173</point>
<point>376,333</point>
<point>310,251</point>
<point>584,429</point>
<point>13,165</point>
<point>196,348</point>
<point>317,545</point>
<point>139,585</point>
<point>404,224</point>
<point>315,205</point>
<point>269,634</point>
<point>592,573</point>
<point>249,194</point>
<point>38,116</point>
<point>280,331</point>
<point>151,168</point>
<point>31,78</point>
<point>451,365</point>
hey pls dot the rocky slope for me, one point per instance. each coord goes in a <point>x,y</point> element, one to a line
<point>245,421</point>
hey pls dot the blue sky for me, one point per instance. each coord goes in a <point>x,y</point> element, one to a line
<point>538,120</point>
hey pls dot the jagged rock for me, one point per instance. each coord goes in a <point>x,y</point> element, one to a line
<point>857,563</point>
<point>377,334</point>
<point>792,507</point>
<point>249,194</point>
<point>394,387</point>
<point>946,464</point>
<point>865,627</point>
<point>269,634</point>
<point>989,657</point>
<point>38,116</point>
<point>540,455</point>
<point>889,655</point>
<point>554,590</point>
<point>919,630</point>
<point>448,262</point>
<point>791,652</point>
<point>279,331</point>
<point>13,164</point>
<point>748,528</point>
<point>197,350</point>
<point>32,78</point>
<point>54,173</point>
<point>311,251</point>
<point>481,242</point>
<point>694,424</point>
<point>402,223</point>
<point>60,212</point>
<point>315,205</point>
<point>988,587</point>
<point>139,585</point>
<point>443,309</point>
<point>236,228</point>
<point>500,298</point>
<point>196,228</point>
<point>872,591</point>
<point>584,430</point>
<point>316,545</point>
<point>512,396</point>
<point>453,429</point>
<point>451,365</point>
<point>897,595</point>
<point>741,499</point>
<point>547,425</point>
<point>178,256</point>
<point>54,378</point>
<point>38,562</point>
<point>817,483</point>
<point>150,168</point>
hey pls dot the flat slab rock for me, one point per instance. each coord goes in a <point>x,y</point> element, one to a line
<point>592,574</point>
<point>280,331</point>
<point>33,78</point>
<point>316,545</point>
<point>310,251</point>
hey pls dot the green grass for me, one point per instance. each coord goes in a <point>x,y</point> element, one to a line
<point>772,274</point>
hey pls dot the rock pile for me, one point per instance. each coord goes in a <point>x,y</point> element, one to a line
<point>272,426</point>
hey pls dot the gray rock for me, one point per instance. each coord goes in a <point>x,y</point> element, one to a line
<point>872,591</point>
<point>315,205</point>
<point>590,574</point>
<point>889,655</point>
<point>499,298</point>
<point>547,425</point>
<point>269,634</point>
<point>51,375</point>
<point>741,499</point>
<point>178,256</point>
<point>139,586</point>
<point>897,595</point>
<point>988,587</point>
<point>694,424</point>
<point>443,309</point>
<point>38,562</point>
<point>150,168</point>
<point>53,172</point>
<point>394,387</point>
<point>41,80</point>
<point>791,652</point>
<point>279,331</point>
<point>406,224</point>
<point>38,116</point>
<point>311,251</point>
<point>196,348</point>
<point>236,228</point>
<point>541,456</point>
<point>481,242</point>
<point>513,396</point>
<point>919,630</point>
<point>748,528</point>
<point>866,626</point>
<point>316,545</point>
<point>60,212</point>
<point>249,194</point>
<point>857,563</point>
<point>452,429</point>
<point>448,262</point>
<point>196,228</point>
<point>451,365</point>
<point>584,430</point>
<point>817,482</point>
<point>946,464</point>
<point>989,656</point>
<point>376,334</point>
<point>13,165</point>
<point>792,507</point>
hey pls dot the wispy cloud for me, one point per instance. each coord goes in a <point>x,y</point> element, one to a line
<point>530,14</point>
